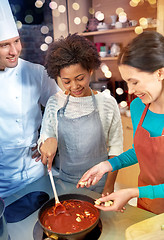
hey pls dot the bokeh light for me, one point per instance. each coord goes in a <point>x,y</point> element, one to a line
<point>122,17</point>
<point>62,27</point>
<point>84,19</point>
<point>61,8</point>
<point>29,18</point>
<point>152,2</point>
<point>38,4</point>
<point>77,20</point>
<point>75,6</point>
<point>53,5</point>
<point>119,91</point>
<point>91,11</point>
<point>48,39</point>
<point>143,21</point>
<point>136,1</point>
<point>44,47</point>
<point>44,29</point>
<point>119,10</point>
<point>99,16</point>
<point>104,68</point>
<point>138,30</point>
<point>19,24</point>
<point>108,74</point>
<point>123,104</point>
<point>132,4</point>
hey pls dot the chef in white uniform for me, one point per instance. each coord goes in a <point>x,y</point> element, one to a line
<point>24,87</point>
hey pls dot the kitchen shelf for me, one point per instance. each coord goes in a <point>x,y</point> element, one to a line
<point>116,30</point>
<point>109,58</point>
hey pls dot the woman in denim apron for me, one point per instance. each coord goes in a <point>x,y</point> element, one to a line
<point>80,122</point>
<point>141,65</point>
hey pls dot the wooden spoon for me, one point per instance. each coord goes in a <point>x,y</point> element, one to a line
<point>59,208</point>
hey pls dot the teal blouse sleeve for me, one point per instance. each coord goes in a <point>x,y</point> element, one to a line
<point>156,191</point>
<point>125,159</point>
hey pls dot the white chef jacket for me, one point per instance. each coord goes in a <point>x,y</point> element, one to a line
<point>23,90</point>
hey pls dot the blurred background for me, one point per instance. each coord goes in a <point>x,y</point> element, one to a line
<point>34,22</point>
<point>109,24</point>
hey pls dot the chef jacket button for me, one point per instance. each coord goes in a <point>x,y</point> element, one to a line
<point>17,120</point>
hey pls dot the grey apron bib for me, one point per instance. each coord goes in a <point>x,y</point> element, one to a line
<point>81,145</point>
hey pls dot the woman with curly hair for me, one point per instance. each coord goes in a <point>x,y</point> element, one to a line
<point>83,124</point>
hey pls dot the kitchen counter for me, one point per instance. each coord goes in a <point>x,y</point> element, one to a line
<point>114,224</point>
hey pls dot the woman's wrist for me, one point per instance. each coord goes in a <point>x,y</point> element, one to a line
<point>134,192</point>
<point>107,166</point>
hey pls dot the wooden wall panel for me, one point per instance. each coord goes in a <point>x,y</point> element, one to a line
<point>68,17</point>
<point>83,11</point>
<point>160,16</point>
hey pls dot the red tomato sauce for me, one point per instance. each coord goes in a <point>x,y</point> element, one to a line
<point>79,215</point>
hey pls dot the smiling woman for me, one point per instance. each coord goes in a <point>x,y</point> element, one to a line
<point>141,83</point>
<point>141,64</point>
<point>86,123</point>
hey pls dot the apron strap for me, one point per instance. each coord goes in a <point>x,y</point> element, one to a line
<point>94,101</point>
<point>62,110</point>
<point>143,114</point>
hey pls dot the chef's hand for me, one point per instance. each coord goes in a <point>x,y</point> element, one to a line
<point>48,151</point>
<point>120,198</point>
<point>35,153</point>
<point>94,174</point>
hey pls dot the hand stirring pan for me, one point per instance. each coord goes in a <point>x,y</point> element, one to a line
<point>59,208</point>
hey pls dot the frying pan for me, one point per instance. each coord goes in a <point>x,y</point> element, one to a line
<point>72,236</point>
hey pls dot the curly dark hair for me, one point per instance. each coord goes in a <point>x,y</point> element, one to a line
<point>71,50</point>
<point>145,52</point>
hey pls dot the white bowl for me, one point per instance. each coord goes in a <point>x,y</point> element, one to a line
<point>103,54</point>
<point>102,26</point>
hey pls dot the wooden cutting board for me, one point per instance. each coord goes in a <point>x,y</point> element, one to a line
<point>149,229</point>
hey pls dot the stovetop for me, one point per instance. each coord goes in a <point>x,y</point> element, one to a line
<point>38,233</point>
<point>114,224</point>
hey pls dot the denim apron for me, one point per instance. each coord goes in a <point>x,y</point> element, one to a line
<point>81,145</point>
<point>150,155</point>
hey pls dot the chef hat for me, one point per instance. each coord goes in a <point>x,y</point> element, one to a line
<point>8,27</point>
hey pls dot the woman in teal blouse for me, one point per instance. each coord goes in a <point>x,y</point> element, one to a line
<point>141,64</point>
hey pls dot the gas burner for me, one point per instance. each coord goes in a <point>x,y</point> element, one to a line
<point>38,233</point>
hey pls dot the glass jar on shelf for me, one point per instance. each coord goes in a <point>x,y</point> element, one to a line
<point>115,49</point>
